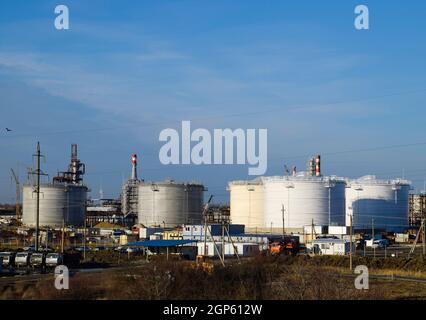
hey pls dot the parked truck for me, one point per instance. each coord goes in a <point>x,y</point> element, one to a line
<point>286,246</point>
<point>22,259</point>
<point>53,260</point>
<point>8,258</point>
<point>37,260</point>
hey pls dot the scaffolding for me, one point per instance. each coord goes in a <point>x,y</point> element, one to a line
<point>417,210</point>
<point>129,197</point>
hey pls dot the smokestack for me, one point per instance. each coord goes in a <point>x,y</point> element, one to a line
<point>76,169</point>
<point>312,167</point>
<point>74,156</point>
<point>134,167</point>
<point>318,166</point>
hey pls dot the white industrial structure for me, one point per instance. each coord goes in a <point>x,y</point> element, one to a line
<point>170,203</point>
<point>129,191</point>
<point>291,202</point>
<point>375,203</point>
<point>59,203</point>
<point>301,200</point>
<point>326,246</point>
<point>246,203</point>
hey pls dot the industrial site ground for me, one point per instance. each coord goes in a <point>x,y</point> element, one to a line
<point>258,278</point>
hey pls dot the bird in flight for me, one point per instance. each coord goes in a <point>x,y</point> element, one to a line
<point>8,130</point>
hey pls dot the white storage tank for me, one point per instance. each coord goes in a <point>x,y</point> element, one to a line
<point>170,203</point>
<point>246,203</point>
<point>58,203</point>
<point>383,204</point>
<point>305,199</point>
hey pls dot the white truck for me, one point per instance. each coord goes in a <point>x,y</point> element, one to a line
<point>22,259</point>
<point>53,260</point>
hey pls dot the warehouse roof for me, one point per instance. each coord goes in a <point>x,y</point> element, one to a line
<point>329,240</point>
<point>159,243</point>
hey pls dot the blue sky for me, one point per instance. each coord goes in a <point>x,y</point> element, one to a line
<point>128,69</point>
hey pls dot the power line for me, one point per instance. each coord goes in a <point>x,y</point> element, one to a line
<point>226,116</point>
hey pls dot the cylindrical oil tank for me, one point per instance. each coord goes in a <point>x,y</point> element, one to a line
<point>246,203</point>
<point>305,200</point>
<point>59,203</point>
<point>170,203</point>
<point>374,203</point>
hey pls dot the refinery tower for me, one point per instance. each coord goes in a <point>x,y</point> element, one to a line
<point>129,193</point>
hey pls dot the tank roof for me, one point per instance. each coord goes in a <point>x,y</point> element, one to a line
<point>57,185</point>
<point>373,180</point>
<point>257,181</point>
<point>171,183</point>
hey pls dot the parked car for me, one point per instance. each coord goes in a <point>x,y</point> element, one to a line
<point>22,259</point>
<point>37,259</point>
<point>381,243</point>
<point>8,258</point>
<point>54,259</point>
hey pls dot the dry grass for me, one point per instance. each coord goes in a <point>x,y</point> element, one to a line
<point>271,278</point>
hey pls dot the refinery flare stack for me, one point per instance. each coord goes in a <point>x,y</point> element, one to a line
<point>129,192</point>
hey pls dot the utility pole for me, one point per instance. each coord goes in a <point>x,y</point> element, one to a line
<point>38,196</point>
<point>312,236</point>
<point>84,239</point>
<point>351,241</point>
<point>223,239</point>
<point>63,235</point>
<point>372,237</point>
<point>282,211</point>
<point>18,194</point>
<point>38,173</point>
<point>233,244</point>
<point>424,232</point>
<point>421,230</point>
<point>206,208</point>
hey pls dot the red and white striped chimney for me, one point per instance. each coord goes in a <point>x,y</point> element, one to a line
<point>318,166</point>
<point>134,166</point>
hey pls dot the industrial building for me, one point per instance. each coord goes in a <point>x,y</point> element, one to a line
<point>291,202</point>
<point>326,246</point>
<point>61,202</point>
<point>382,204</point>
<point>170,203</point>
<point>232,233</point>
<point>197,231</point>
<point>107,210</point>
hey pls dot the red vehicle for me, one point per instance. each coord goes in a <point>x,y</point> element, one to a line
<point>287,246</point>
